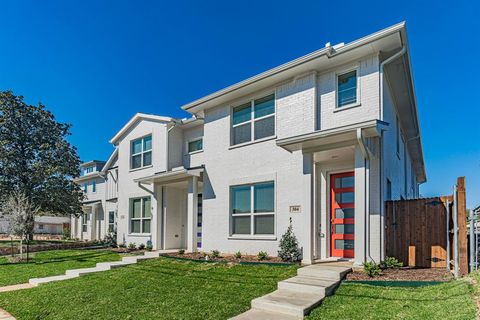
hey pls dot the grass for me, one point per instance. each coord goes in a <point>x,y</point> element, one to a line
<point>8,242</point>
<point>451,300</point>
<point>154,289</point>
<point>50,263</point>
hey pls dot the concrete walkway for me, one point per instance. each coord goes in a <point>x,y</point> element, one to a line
<point>297,296</point>
<point>4,315</point>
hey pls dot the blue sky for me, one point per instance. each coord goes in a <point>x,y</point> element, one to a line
<point>96,63</point>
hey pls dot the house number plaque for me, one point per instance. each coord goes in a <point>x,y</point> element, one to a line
<point>295,209</point>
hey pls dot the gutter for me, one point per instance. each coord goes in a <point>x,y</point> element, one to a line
<point>382,67</point>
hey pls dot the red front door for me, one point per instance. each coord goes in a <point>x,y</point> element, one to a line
<point>342,207</point>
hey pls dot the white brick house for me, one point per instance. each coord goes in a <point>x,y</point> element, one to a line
<point>324,140</point>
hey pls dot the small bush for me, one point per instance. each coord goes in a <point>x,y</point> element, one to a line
<point>149,247</point>
<point>262,255</point>
<point>392,263</point>
<point>181,251</point>
<point>238,255</point>
<point>289,250</point>
<point>141,246</point>
<point>132,246</point>
<point>122,245</point>
<point>372,269</point>
<point>215,254</point>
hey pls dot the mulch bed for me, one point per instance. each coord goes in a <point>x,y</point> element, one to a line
<point>200,256</point>
<point>404,274</point>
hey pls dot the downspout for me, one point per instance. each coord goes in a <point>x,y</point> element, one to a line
<point>382,166</point>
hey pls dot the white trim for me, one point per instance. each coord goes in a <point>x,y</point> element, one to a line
<point>142,218</point>
<point>136,118</point>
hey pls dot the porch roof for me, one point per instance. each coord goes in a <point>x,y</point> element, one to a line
<point>171,176</point>
<point>332,138</point>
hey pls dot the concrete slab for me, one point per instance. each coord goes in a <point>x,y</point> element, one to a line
<point>264,315</point>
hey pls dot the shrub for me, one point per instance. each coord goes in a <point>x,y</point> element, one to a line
<point>141,246</point>
<point>132,246</point>
<point>238,255</point>
<point>289,250</point>
<point>372,269</point>
<point>181,251</point>
<point>215,254</point>
<point>149,247</point>
<point>262,255</point>
<point>122,245</point>
<point>392,263</point>
<point>110,240</point>
<point>66,233</point>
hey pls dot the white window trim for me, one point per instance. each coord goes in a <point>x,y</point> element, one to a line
<point>353,104</point>
<point>142,166</point>
<point>141,219</point>
<point>253,119</point>
<point>193,140</point>
<point>252,214</point>
<point>114,223</point>
<point>85,220</point>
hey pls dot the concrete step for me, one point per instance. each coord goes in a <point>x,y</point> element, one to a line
<point>112,265</point>
<point>294,303</point>
<point>324,271</point>
<point>38,281</point>
<point>254,314</point>
<point>84,271</point>
<point>152,254</point>
<point>308,284</point>
<point>131,259</point>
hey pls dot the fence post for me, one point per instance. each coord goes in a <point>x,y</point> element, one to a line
<point>472,242</point>
<point>447,223</point>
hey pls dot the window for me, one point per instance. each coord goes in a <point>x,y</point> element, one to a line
<point>40,227</point>
<point>389,190</point>
<point>85,219</point>
<point>253,209</point>
<point>94,186</point>
<point>85,187</point>
<point>111,222</point>
<point>195,145</point>
<point>88,170</point>
<point>141,152</point>
<point>140,215</point>
<point>254,120</point>
<point>347,88</point>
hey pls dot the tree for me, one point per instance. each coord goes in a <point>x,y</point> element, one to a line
<point>36,160</point>
<point>21,216</point>
<point>289,250</point>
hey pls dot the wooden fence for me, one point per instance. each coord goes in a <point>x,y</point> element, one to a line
<point>416,230</point>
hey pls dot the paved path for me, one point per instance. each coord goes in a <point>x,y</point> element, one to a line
<point>16,287</point>
<point>4,315</point>
<point>297,296</point>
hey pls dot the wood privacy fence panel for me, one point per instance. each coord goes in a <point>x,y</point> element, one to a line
<point>416,231</point>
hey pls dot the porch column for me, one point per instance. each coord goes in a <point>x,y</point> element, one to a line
<point>360,206</point>
<point>308,196</point>
<point>192,214</point>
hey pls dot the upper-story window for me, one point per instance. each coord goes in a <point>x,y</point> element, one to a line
<point>94,186</point>
<point>195,145</point>
<point>254,120</point>
<point>347,88</point>
<point>87,170</point>
<point>141,152</point>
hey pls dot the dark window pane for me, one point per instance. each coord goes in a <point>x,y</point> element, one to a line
<point>345,213</point>
<point>111,217</point>
<point>345,197</point>
<point>347,88</point>
<point>345,228</point>
<point>264,224</point>
<point>146,226</point>
<point>242,113</point>
<point>344,244</point>
<point>345,182</point>
<point>264,128</point>
<point>136,161</point>
<point>241,225</point>
<point>264,106</point>
<point>242,133</point>
<point>240,199</point>
<point>147,158</point>
<point>147,143</point>
<point>135,226</point>
<point>195,145</point>
<point>147,208</point>
<point>137,146</point>
<point>263,195</point>
<point>136,208</point>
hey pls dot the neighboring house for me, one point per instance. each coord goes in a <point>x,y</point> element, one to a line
<point>49,225</point>
<point>324,140</point>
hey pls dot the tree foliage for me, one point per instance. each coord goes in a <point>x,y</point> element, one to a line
<point>36,160</point>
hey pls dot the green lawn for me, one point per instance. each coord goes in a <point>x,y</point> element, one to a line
<point>154,289</point>
<point>452,300</point>
<point>50,263</point>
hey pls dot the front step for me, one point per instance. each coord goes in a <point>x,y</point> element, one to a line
<point>288,302</point>
<point>308,284</point>
<point>324,271</point>
<point>264,315</point>
<point>39,281</point>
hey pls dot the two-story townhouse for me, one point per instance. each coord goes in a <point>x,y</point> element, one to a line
<point>322,141</point>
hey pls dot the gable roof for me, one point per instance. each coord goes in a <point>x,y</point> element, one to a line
<point>110,161</point>
<point>137,118</point>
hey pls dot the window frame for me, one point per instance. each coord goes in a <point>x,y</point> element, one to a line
<point>194,140</point>
<point>111,225</point>
<point>252,214</point>
<point>141,218</point>
<point>141,153</point>
<point>341,72</point>
<point>85,220</point>
<point>252,119</point>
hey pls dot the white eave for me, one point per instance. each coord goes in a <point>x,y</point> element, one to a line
<point>136,118</point>
<point>110,161</point>
<point>169,176</point>
<point>88,176</point>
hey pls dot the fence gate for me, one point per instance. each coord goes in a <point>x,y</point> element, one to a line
<point>416,231</point>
